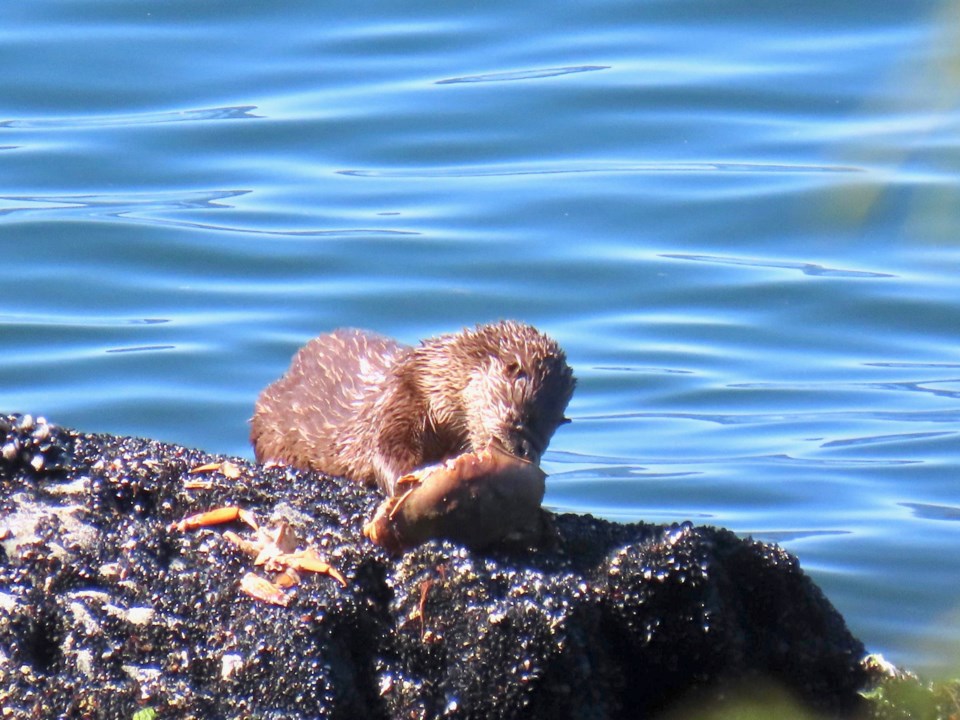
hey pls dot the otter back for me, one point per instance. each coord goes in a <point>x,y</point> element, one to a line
<point>302,418</point>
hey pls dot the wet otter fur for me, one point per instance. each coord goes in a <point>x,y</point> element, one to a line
<point>362,405</point>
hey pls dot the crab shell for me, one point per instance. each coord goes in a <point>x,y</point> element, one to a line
<point>477,499</point>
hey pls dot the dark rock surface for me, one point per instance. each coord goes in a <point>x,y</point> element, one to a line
<point>104,610</point>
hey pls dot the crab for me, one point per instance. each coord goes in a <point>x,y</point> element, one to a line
<point>274,549</point>
<point>477,498</point>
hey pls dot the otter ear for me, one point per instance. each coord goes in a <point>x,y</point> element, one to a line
<point>515,370</point>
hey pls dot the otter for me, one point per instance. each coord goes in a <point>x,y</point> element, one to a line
<point>361,405</point>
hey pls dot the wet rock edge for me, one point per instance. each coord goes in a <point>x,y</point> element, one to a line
<point>104,610</point>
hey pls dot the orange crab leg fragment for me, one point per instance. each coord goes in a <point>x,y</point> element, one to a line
<point>217,516</point>
<point>226,467</point>
<point>247,547</point>
<point>309,561</point>
<point>206,519</point>
<point>262,589</point>
<point>318,566</point>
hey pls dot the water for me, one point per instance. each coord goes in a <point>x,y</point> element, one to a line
<point>741,222</point>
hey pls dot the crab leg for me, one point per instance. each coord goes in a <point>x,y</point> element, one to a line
<point>262,589</point>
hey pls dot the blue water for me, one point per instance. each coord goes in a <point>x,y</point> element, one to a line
<point>740,220</point>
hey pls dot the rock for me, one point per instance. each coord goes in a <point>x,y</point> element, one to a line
<point>105,611</point>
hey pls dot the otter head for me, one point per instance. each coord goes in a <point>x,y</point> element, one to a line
<point>518,406</point>
<point>517,388</point>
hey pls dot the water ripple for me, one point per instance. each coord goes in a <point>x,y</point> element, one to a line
<point>239,112</point>
<point>641,369</point>
<point>926,365</point>
<point>880,439</point>
<point>134,207</point>
<point>933,416</point>
<point>522,74</point>
<point>491,170</point>
<point>927,511</point>
<point>804,267</point>
<point>920,386</point>
<point>141,348</point>
<point>571,457</point>
<point>63,319</point>
<point>118,203</point>
<point>784,536</point>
